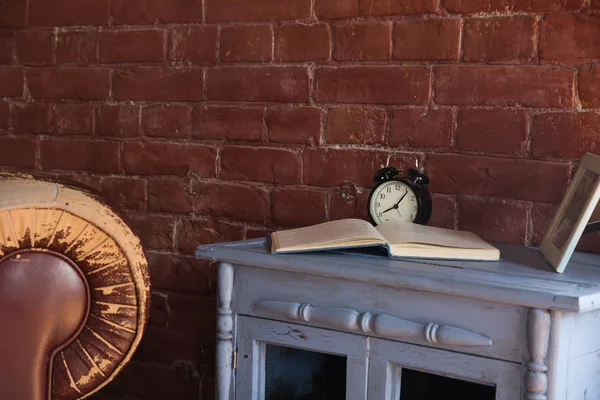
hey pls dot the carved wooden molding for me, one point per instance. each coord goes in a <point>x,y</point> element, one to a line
<point>224,331</point>
<point>538,337</point>
<point>383,325</point>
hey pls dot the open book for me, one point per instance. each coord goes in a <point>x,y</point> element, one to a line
<point>399,239</point>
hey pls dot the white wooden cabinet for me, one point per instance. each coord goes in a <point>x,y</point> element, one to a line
<point>357,327</point>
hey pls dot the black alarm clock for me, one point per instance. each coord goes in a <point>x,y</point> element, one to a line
<point>403,198</point>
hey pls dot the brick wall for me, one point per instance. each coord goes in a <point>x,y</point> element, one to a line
<point>214,120</point>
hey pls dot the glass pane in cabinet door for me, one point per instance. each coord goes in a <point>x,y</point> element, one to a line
<point>294,374</point>
<point>416,385</point>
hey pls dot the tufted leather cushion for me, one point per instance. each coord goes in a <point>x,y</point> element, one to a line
<point>73,224</point>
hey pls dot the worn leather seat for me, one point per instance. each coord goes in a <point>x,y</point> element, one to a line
<point>74,291</point>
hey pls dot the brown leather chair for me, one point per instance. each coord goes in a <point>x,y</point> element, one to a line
<point>74,291</point>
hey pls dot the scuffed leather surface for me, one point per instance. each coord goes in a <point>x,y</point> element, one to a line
<point>44,303</point>
<point>47,215</point>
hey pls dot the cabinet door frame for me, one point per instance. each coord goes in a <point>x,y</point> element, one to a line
<point>253,335</point>
<point>387,358</point>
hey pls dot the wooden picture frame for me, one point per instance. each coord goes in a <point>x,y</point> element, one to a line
<point>578,207</point>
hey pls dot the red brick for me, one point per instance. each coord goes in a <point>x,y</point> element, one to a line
<point>443,214</point>
<point>178,273</point>
<point>11,81</point>
<point>155,231</point>
<point>13,13</point>
<point>76,47</point>
<point>565,134</point>
<point>194,232</point>
<point>285,204</point>
<point>17,152</point>
<point>69,83</point>
<point>353,8</point>
<point>427,39</point>
<point>570,38</point>
<point>348,203</point>
<point>161,158</point>
<point>493,221</point>
<point>330,9</point>
<point>72,119</point>
<point>246,43</point>
<point>499,39</point>
<point>260,164</point>
<point>258,84</point>
<point>589,86</point>
<point>257,232</point>
<point>231,123</point>
<point>198,43</point>
<point>363,41</point>
<point>159,310</point>
<point>4,115</point>
<point>257,10</point>
<point>475,6</point>
<point>7,45</point>
<point>238,202</point>
<point>298,42</point>
<point>322,166</point>
<point>86,181</point>
<point>355,125</point>
<point>118,120</point>
<point>168,347</point>
<point>294,124</point>
<point>80,155</point>
<point>158,83</point>
<point>595,4</point>
<point>143,380</point>
<point>498,177</point>
<point>192,314</point>
<point>32,118</point>
<point>125,191</point>
<point>169,195</point>
<point>149,12</point>
<point>504,85</point>
<point>172,120</point>
<point>421,127</point>
<point>65,12</point>
<point>132,46</point>
<point>35,47</point>
<point>492,131</point>
<point>381,85</point>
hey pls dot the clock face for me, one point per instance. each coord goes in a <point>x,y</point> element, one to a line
<point>393,201</point>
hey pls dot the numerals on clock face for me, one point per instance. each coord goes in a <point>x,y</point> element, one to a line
<point>393,201</point>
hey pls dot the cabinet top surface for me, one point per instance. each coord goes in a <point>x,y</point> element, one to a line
<point>523,277</point>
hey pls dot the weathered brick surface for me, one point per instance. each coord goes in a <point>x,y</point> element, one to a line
<point>194,44</point>
<point>494,39</point>
<point>565,134</point>
<point>217,120</point>
<point>355,125</point>
<point>35,47</point>
<point>246,43</point>
<point>299,42</point>
<point>293,124</point>
<point>388,85</point>
<point>492,131</point>
<point>504,85</point>
<point>260,164</point>
<point>427,39</point>
<point>228,123</point>
<point>258,84</point>
<point>132,46</point>
<point>419,127</point>
<point>363,41</point>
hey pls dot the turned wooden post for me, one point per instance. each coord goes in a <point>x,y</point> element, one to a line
<point>538,337</point>
<point>224,331</point>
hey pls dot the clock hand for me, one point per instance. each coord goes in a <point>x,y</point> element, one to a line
<point>401,198</point>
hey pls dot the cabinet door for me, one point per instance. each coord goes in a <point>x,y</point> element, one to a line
<point>283,361</point>
<point>399,371</point>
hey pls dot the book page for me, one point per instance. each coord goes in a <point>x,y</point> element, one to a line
<point>342,231</point>
<point>408,233</point>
